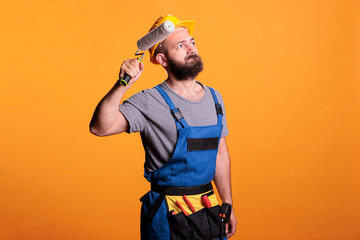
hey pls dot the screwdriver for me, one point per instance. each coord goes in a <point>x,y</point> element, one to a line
<point>182,209</point>
<point>206,201</point>
<point>189,204</point>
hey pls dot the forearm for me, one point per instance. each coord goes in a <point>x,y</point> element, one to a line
<point>107,111</point>
<point>222,177</point>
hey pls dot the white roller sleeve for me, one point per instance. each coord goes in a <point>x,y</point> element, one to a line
<point>156,35</point>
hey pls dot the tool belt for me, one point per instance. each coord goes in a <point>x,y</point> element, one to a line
<point>201,222</point>
<point>179,191</point>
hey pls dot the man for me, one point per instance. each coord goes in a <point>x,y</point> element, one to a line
<point>183,128</point>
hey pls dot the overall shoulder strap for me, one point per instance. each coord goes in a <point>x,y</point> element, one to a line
<point>179,118</point>
<point>218,107</point>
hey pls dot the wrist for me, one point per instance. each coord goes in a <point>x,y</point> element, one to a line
<point>227,200</point>
<point>118,85</point>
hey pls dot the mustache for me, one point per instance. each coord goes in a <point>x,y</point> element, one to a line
<point>192,56</point>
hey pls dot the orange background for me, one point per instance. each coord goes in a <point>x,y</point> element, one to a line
<point>289,75</point>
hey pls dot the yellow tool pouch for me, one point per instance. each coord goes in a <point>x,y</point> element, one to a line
<point>204,223</point>
<point>187,217</point>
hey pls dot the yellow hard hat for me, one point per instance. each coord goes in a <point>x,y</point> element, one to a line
<point>189,25</point>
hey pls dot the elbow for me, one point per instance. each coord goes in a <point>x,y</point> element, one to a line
<point>96,131</point>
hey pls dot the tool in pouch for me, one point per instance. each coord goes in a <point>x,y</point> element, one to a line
<point>156,35</point>
<point>185,225</point>
<point>225,212</point>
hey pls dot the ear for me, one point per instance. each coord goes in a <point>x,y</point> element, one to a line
<point>161,59</point>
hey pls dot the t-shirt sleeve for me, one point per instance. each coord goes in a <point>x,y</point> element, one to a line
<point>135,110</point>
<point>225,130</point>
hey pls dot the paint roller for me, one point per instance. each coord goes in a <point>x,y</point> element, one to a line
<point>156,35</point>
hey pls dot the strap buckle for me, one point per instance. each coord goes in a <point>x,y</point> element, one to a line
<point>177,114</point>
<point>218,108</point>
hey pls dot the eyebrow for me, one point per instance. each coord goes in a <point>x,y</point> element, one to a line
<point>184,41</point>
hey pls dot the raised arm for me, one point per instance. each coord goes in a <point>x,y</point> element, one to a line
<point>107,119</point>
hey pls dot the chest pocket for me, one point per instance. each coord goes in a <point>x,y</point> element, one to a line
<point>199,144</point>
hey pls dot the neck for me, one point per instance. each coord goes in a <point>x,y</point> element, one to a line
<point>187,88</point>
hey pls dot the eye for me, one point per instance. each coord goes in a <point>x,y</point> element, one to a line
<point>192,43</point>
<point>180,46</point>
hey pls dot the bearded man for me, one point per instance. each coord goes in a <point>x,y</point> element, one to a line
<point>182,124</point>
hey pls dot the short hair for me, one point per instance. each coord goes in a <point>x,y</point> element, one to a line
<point>159,49</point>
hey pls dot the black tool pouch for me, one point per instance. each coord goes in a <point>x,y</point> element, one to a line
<point>204,224</point>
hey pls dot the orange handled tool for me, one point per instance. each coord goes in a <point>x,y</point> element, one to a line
<point>182,209</point>
<point>206,201</point>
<point>189,204</point>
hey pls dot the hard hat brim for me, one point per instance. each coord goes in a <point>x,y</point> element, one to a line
<point>188,24</point>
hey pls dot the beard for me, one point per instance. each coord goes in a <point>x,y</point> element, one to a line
<point>188,70</point>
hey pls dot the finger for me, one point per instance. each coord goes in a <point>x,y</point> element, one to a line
<point>121,74</point>
<point>231,231</point>
<point>123,70</point>
<point>134,63</point>
<point>230,234</point>
<point>141,66</point>
<point>130,67</point>
<point>136,66</point>
<point>132,71</point>
<point>129,72</point>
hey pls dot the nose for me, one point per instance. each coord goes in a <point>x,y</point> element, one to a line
<point>191,49</point>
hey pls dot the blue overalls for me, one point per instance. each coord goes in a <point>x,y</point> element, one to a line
<point>189,171</point>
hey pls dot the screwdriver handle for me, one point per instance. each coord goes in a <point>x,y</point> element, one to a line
<point>189,204</point>
<point>206,201</point>
<point>125,80</point>
<point>182,209</point>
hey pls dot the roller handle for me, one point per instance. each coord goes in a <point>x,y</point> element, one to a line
<point>125,80</point>
<point>156,35</point>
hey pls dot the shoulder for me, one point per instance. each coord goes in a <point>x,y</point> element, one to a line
<point>144,95</point>
<point>217,93</point>
<point>208,88</point>
<point>146,99</point>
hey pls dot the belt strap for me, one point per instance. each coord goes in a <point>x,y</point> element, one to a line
<point>218,107</point>
<point>179,119</point>
<point>179,191</point>
<point>151,214</point>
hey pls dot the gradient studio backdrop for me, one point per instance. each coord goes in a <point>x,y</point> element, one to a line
<point>289,75</point>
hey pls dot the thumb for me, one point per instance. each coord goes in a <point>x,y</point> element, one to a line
<point>141,66</point>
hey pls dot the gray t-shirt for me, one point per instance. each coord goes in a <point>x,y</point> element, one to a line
<point>148,113</point>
